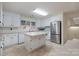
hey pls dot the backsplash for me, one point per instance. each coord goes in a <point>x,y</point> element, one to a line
<point>18,29</point>
<point>8,28</point>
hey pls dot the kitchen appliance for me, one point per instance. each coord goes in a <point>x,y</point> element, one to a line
<point>41,28</point>
<point>55,34</point>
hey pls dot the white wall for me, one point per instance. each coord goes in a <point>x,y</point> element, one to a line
<point>46,22</point>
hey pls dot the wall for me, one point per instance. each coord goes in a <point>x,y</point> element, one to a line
<point>69,31</point>
<point>46,22</point>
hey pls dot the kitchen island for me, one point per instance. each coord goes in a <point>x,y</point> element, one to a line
<point>34,40</point>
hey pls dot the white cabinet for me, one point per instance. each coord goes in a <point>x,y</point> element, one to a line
<point>15,21</point>
<point>21,38</point>
<point>48,35</point>
<point>0,40</point>
<point>33,42</point>
<point>0,20</point>
<point>10,39</point>
<point>6,20</point>
<point>11,19</point>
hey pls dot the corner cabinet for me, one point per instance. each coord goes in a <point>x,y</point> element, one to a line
<point>11,20</point>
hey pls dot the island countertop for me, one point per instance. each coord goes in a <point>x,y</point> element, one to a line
<point>34,40</point>
<point>36,33</point>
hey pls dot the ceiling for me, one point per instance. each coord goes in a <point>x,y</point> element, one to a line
<point>53,8</point>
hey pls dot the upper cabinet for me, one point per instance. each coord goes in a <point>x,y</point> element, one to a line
<point>11,19</point>
<point>25,22</point>
<point>0,19</point>
<point>33,23</point>
<point>1,13</point>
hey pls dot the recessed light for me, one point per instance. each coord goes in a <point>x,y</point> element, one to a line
<point>40,12</point>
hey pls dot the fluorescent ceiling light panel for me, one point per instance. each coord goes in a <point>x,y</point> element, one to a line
<point>40,12</point>
<point>74,27</point>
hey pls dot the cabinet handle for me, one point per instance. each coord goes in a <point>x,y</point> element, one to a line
<point>0,21</point>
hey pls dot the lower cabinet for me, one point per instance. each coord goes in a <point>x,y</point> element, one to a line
<point>10,39</point>
<point>48,35</point>
<point>0,41</point>
<point>34,42</point>
<point>20,38</point>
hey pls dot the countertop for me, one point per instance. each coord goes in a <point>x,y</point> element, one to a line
<point>24,32</point>
<point>36,33</point>
<point>12,31</point>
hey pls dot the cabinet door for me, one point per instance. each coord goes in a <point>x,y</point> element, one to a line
<point>48,35</point>
<point>21,38</point>
<point>0,20</point>
<point>10,39</point>
<point>11,20</point>
<point>14,38</point>
<point>6,20</point>
<point>34,43</point>
<point>0,40</point>
<point>7,40</point>
<point>15,20</point>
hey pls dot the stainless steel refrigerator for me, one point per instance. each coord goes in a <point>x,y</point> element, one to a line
<point>55,34</point>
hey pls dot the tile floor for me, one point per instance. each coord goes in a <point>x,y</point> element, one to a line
<point>71,48</point>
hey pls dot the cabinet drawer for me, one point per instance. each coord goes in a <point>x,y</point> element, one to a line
<point>21,38</point>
